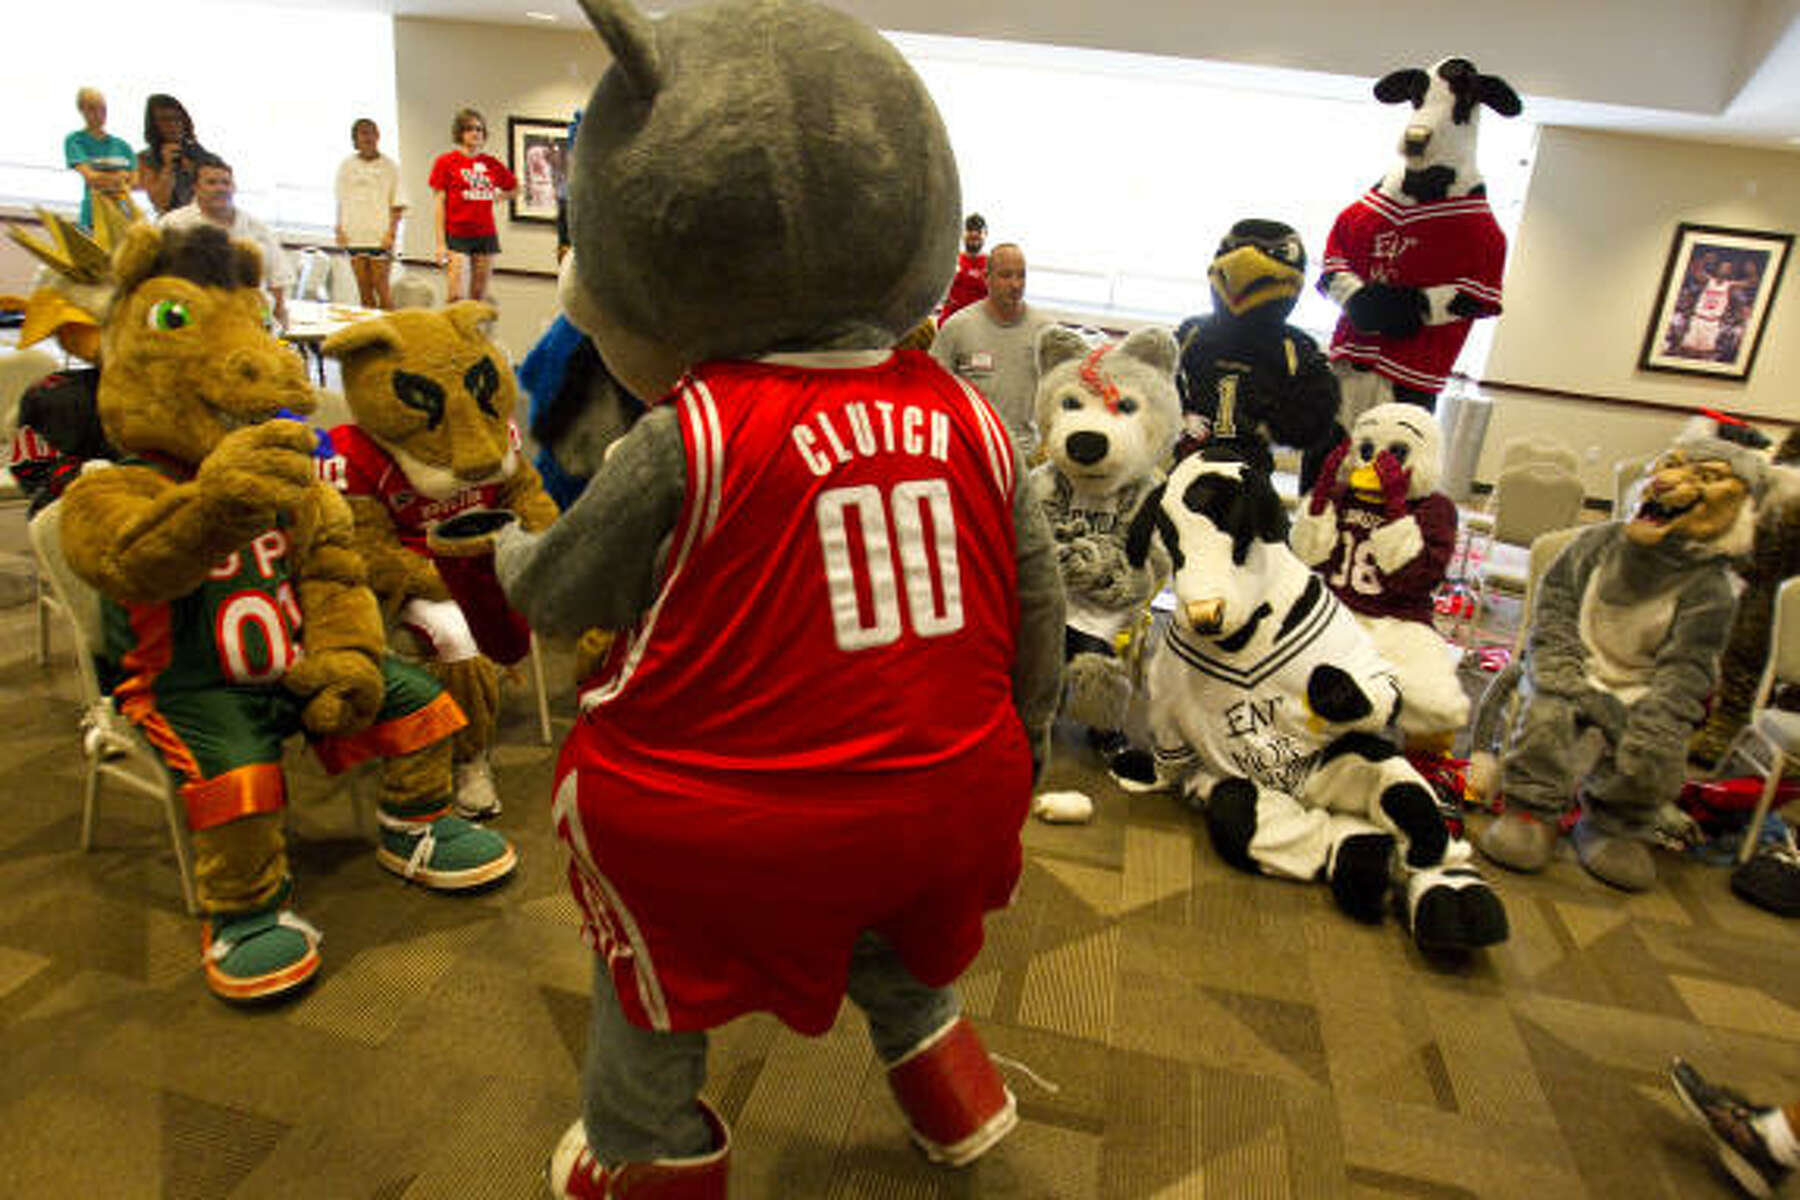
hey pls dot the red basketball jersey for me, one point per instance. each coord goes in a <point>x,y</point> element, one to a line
<point>811,731</point>
<point>842,590</point>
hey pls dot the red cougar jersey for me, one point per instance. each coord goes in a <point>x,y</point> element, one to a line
<point>360,467</point>
<point>1452,241</point>
<point>811,732</point>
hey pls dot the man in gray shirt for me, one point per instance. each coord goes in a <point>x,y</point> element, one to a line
<point>993,345</point>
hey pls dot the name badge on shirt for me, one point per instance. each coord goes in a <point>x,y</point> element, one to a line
<point>979,360</point>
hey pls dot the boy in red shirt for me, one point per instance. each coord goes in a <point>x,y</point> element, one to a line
<point>467,183</point>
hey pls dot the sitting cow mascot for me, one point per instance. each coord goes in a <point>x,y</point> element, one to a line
<point>1626,633</point>
<point>1267,704</point>
<point>802,768</point>
<point>1382,535</point>
<point>1109,417</point>
<point>1418,257</point>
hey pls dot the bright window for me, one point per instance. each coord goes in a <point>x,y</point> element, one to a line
<point>271,90</point>
<point>1118,173</point>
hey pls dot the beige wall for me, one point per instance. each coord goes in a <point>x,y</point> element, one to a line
<point>505,71</point>
<point>1583,276</point>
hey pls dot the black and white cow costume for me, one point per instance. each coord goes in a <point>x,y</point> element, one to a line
<point>1268,705</point>
<point>1417,257</point>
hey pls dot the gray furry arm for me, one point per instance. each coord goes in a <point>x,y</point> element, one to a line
<point>1556,657</point>
<point>1687,665</point>
<point>596,567</point>
<point>1096,568</point>
<point>1037,670</point>
<point>1122,585</point>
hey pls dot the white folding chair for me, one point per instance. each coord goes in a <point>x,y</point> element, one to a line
<point>1521,451</point>
<point>1530,499</point>
<point>111,746</point>
<point>19,370</point>
<point>1494,711</point>
<point>1771,736</point>
<point>541,691</point>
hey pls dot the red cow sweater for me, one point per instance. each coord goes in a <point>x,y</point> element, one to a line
<point>1453,241</point>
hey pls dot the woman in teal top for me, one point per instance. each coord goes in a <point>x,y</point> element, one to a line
<point>103,161</point>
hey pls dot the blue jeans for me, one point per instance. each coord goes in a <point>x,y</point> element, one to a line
<point>639,1086</point>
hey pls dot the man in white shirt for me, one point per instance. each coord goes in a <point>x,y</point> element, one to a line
<point>993,345</point>
<point>214,191</point>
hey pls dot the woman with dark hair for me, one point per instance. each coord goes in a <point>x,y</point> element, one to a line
<point>467,183</point>
<point>166,169</point>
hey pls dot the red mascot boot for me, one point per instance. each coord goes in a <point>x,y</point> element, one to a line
<point>955,1103</point>
<point>462,549</point>
<point>575,1174</point>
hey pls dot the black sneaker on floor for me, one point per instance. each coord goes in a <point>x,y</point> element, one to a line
<point>1771,879</point>
<point>1729,1118</point>
<point>1133,770</point>
<point>1108,742</point>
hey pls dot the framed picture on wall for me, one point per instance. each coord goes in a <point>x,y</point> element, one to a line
<point>1717,289</point>
<point>538,153</point>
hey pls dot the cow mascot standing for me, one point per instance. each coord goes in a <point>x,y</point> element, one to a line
<point>802,768</point>
<point>1267,707</point>
<point>1418,257</point>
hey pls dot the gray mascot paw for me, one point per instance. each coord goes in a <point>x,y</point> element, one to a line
<point>1624,862</point>
<point>1519,842</point>
<point>1099,691</point>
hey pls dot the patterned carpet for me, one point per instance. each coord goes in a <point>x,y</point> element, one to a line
<point>1174,1029</point>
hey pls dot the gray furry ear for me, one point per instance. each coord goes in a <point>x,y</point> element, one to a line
<point>1058,344</point>
<point>631,36</point>
<point>1153,345</point>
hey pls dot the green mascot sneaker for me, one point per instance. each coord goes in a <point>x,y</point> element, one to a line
<point>444,853</point>
<point>259,956</point>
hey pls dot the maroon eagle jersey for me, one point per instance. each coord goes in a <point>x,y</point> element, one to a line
<point>1362,586</point>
